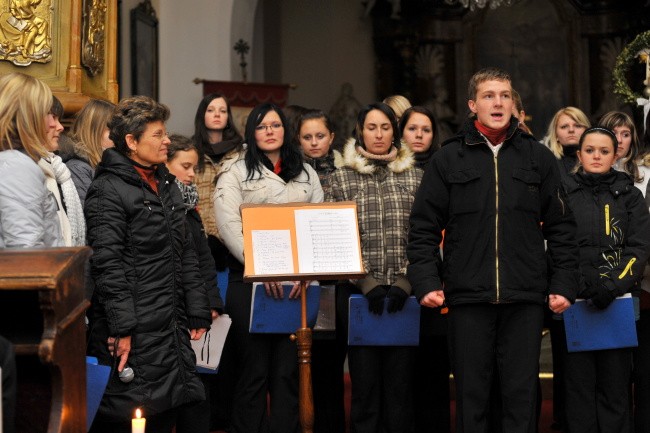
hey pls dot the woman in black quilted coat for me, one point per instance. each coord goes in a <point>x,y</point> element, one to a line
<point>149,298</point>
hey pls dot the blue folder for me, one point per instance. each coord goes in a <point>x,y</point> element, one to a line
<point>96,381</point>
<point>590,328</point>
<point>401,328</point>
<point>281,316</point>
<point>222,283</point>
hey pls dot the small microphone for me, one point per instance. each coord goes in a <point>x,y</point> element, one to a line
<point>126,375</point>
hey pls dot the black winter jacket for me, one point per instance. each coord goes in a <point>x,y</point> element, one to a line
<point>147,286</point>
<point>496,213</point>
<point>613,231</point>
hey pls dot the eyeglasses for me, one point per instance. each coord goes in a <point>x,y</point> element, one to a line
<point>272,126</point>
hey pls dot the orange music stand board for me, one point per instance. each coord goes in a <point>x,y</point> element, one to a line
<point>301,241</point>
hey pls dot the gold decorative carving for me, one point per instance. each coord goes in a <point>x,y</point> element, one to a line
<point>94,30</point>
<point>25,32</point>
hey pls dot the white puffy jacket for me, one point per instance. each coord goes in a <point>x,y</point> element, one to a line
<point>28,215</point>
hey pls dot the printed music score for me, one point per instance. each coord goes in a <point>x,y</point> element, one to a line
<point>328,240</point>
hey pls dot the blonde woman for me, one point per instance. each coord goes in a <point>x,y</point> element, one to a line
<point>58,181</point>
<point>563,135</point>
<point>398,103</point>
<point>89,135</point>
<point>27,210</point>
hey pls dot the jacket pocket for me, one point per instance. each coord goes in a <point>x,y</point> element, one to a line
<point>526,190</point>
<point>254,191</point>
<point>464,191</point>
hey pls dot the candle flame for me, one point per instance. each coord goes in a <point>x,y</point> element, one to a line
<point>138,413</point>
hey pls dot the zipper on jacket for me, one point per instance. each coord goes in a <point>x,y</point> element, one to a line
<point>627,268</point>
<point>496,224</point>
<point>607,227</point>
<point>179,351</point>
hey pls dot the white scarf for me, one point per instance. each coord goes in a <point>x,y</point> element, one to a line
<point>54,166</point>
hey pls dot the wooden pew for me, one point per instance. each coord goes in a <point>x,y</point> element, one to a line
<point>42,310</point>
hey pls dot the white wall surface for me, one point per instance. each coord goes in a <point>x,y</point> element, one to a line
<point>319,45</point>
<point>194,42</point>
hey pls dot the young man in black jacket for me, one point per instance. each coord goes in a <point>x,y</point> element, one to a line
<point>496,193</point>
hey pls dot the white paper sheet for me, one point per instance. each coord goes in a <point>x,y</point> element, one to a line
<point>328,241</point>
<point>272,253</point>
<point>208,348</point>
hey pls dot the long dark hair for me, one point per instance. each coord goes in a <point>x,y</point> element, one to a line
<point>361,119</point>
<point>290,156</point>
<point>201,138</point>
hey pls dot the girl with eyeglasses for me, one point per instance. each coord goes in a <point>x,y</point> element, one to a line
<point>272,171</point>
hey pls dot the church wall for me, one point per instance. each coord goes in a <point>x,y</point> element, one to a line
<point>194,42</point>
<point>323,46</point>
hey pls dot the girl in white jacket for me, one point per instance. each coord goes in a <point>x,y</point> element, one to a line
<point>271,171</point>
<point>27,209</point>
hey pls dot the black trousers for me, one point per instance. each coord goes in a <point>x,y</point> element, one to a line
<point>381,389</point>
<point>597,391</point>
<point>195,418</point>
<point>558,351</point>
<point>381,376</point>
<point>505,337</point>
<point>268,365</point>
<point>431,385</point>
<point>327,362</point>
<point>8,365</point>
<point>641,375</point>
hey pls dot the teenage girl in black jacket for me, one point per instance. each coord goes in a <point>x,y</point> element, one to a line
<point>613,234</point>
<point>182,159</point>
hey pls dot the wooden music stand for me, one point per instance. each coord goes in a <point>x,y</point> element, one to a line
<point>302,242</point>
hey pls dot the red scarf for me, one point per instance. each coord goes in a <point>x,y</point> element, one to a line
<point>277,168</point>
<point>494,136</point>
<point>147,174</point>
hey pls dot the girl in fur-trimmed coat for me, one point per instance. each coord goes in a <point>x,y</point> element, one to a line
<point>380,176</point>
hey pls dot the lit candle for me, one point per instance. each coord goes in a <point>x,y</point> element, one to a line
<point>137,423</point>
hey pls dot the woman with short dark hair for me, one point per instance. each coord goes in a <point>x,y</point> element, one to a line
<point>149,297</point>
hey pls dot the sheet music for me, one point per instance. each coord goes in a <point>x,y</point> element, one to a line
<point>328,241</point>
<point>272,253</point>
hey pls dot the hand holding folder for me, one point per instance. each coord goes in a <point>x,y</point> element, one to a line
<point>281,316</point>
<point>590,328</point>
<point>401,328</point>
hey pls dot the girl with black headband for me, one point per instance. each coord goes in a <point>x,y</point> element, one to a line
<point>613,234</point>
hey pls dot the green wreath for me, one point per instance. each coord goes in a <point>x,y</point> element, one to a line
<point>623,63</point>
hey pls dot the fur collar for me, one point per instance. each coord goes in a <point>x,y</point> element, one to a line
<point>352,159</point>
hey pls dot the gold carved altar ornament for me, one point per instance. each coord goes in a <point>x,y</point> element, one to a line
<point>25,32</point>
<point>92,55</point>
